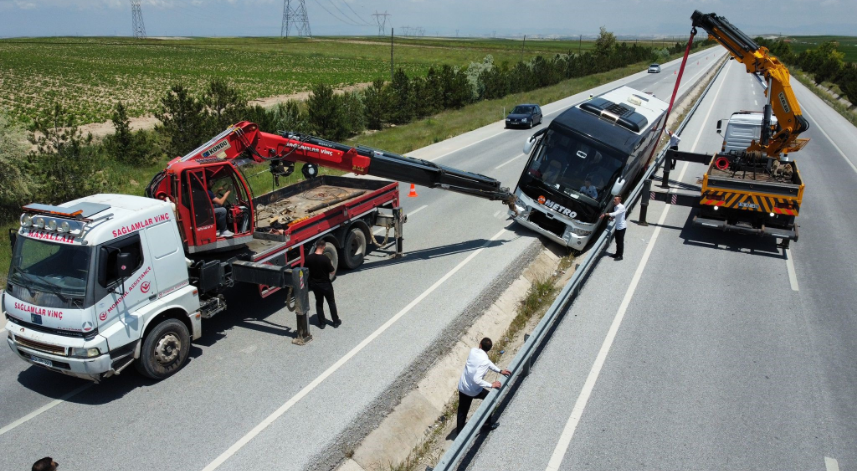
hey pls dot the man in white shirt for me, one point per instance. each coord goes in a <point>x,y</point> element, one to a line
<point>674,140</point>
<point>619,215</point>
<point>472,384</point>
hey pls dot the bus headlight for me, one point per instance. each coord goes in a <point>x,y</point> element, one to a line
<point>85,352</point>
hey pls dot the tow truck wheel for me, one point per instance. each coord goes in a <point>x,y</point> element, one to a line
<point>354,249</point>
<point>165,350</point>
<point>331,253</point>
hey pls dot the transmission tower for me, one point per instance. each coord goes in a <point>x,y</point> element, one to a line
<point>381,20</point>
<point>137,26</point>
<point>295,17</point>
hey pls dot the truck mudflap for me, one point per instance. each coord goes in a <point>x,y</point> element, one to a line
<point>777,232</point>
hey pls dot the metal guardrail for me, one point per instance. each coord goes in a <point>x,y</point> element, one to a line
<point>523,361</point>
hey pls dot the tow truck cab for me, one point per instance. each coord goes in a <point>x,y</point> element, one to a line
<point>99,283</point>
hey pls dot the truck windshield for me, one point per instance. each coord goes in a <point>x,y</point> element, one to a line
<point>59,268</point>
<point>575,166</point>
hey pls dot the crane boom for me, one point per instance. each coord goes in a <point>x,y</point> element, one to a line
<point>790,121</point>
<point>245,140</point>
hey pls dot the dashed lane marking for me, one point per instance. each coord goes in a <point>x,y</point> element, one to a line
<point>342,361</point>
<point>831,464</point>
<point>44,408</point>
<point>510,161</point>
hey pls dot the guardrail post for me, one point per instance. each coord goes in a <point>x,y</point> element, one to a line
<point>644,201</point>
<point>398,216</point>
<point>665,181</point>
<point>300,290</point>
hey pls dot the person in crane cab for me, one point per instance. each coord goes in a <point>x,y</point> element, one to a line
<point>219,210</point>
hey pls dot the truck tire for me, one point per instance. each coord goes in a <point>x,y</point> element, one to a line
<point>165,350</point>
<point>331,253</point>
<point>354,248</point>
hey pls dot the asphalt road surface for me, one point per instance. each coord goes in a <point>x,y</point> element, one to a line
<point>705,350</point>
<point>249,399</point>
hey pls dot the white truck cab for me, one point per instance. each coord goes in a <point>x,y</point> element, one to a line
<point>742,129</point>
<point>99,283</point>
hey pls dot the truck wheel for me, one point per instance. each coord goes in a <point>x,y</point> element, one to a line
<point>165,350</point>
<point>354,249</point>
<point>331,253</point>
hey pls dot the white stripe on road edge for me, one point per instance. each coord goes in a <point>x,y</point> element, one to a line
<point>509,161</point>
<point>339,363</point>
<point>790,265</point>
<point>44,408</point>
<point>831,141</point>
<point>589,385</point>
<point>465,147</point>
<point>831,464</point>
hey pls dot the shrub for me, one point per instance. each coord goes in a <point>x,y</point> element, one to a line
<point>375,105</point>
<point>325,113</point>
<point>225,106</point>
<point>66,166</point>
<point>183,121</point>
<point>135,148</point>
<point>16,183</point>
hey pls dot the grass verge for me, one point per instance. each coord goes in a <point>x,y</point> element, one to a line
<point>832,101</point>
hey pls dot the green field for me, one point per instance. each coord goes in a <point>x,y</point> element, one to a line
<point>847,44</point>
<point>88,75</point>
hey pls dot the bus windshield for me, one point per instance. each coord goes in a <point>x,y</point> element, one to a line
<point>48,266</point>
<point>575,166</point>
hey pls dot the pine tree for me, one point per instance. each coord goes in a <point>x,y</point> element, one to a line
<point>183,121</point>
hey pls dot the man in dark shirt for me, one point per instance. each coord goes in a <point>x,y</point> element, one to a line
<point>219,210</point>
<point>320,271</point>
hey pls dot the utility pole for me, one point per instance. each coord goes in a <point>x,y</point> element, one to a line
<point>138,29</point>
<point>391,53</point>
<point>522,47</point>
<point>295,16</point>
<point>381,21</point>
<point>579,44</point>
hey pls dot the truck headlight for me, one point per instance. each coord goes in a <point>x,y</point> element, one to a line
<point>26,220</point>
<point>39,223</point>
<point>85,352</point>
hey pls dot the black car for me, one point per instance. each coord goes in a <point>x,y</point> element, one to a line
<point>524,116</point>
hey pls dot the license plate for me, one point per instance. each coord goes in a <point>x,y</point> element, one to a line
<point>41,361</point>
<point>37,319</point>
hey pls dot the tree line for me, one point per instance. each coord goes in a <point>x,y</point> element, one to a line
<point>59,163</point>
<point>824,63</point>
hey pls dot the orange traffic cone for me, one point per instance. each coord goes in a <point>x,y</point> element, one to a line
<point>413,193</point>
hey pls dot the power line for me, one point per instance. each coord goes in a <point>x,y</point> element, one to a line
<point>331,14</point>
<point>355,13</point>
<point>352,22</point>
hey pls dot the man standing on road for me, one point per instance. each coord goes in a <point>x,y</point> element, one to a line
<point>45,464</point>
<point>674,140</point>
<point>320,271</point>
<point>472,384</point>
<point>618,214</point>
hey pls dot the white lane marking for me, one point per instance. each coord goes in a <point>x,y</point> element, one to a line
<point>790,265</point>
<point>577,412</point>
<point>831,464</point>
<point>756,102</point>
<point>339,363</point>
<point>44,408</point>
<point>707,115</point>
<point>853,167</point>
<point>509,161</point>
<point>379,231</point>
<point>465,147</point>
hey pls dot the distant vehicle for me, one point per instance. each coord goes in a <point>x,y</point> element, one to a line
<point>654,69</point>
<point>527,115</point>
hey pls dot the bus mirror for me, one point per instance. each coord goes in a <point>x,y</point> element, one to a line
<point>528,144</point>
<point>617,187</point>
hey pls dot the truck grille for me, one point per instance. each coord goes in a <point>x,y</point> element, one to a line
<point>538,218</point>
<point>42,347</point>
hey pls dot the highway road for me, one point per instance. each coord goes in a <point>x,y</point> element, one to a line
<point>704,350</point>
<point>249,399</point>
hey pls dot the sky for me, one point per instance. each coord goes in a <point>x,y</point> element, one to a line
<point>474,18</point>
